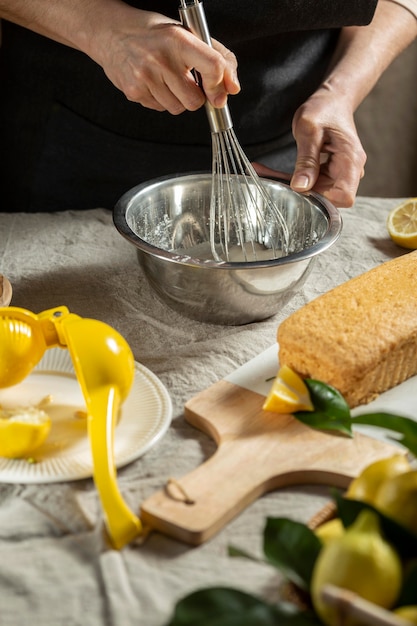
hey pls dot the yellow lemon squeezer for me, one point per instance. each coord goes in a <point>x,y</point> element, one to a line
<point>104,366</point>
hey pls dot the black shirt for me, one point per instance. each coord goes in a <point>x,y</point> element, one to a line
<point>70,139</point>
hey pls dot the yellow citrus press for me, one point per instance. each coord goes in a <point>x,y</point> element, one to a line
<point>104,366</point>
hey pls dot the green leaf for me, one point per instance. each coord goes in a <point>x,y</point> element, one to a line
<point>408,593</point>
<point>291,547</point>
<point>404,541</point>
<point>223,606</point>
<point>234,551</point>
<point>322,421</point>
<point>327,399</point>
<point>331,411</point>
<point>404,426</point>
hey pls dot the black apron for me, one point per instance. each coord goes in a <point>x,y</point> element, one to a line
<point>69,139</point>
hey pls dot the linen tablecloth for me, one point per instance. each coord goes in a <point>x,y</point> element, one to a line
<point>55,567</point>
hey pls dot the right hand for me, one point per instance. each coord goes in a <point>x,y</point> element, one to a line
<point>149,57</point>
<point>330,156</point>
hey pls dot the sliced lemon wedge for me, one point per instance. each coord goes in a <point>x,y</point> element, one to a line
<point>402,224</point>
<point>22,431</point>
<point>288,393</point>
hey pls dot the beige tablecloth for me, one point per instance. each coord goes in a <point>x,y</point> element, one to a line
<point>55,567</point>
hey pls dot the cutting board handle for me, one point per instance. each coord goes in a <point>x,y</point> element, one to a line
<point>257,452</point>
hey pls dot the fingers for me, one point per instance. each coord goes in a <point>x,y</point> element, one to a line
<point>230,77</point>
<point>176,93</point>
<point>164,93</point>
<point>216,67</point>
<point>267,172</point>
<point>155,66</point>
<point>339,178</point>
<point>330,157</point>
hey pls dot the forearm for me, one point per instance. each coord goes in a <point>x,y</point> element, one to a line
<point>75,23</point>
<point>365,52</point>
<point>145,54</point>
<point>410,5</point>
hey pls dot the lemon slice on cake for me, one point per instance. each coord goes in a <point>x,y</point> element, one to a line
<point>402,224</point>
<point>288,393</point>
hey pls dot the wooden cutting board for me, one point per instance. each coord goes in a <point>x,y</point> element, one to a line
<point>257,451</point>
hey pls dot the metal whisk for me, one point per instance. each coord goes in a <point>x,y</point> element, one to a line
<point>245,223</point>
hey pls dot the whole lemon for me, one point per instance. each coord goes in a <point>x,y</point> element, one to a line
<point>397,498</point>
<point>408,613</point>
<point>361,561</point>
<point>333,529</point>
<point>367,483</point>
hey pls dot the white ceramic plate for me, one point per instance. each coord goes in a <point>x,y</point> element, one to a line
<point>5,291</point>
<point>145,417</point>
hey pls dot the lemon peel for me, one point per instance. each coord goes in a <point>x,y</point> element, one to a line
<point>397,498</point>
<point>330,530</point>
<point>408,612</point>
<point>360,561</point>
<point>402,224</point>
<point>288,393</point>
<point>365,486</point>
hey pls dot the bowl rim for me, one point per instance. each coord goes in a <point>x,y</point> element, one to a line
<point>121,208</point>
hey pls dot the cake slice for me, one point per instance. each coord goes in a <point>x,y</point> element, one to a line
<point>360,337</point>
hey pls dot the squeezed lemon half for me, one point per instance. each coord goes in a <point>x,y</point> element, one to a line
<point>22,431</point>
<point>402,224</point>
<point>288,393</point>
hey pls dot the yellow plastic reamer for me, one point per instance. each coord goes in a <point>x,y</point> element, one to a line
<point>104,366</point>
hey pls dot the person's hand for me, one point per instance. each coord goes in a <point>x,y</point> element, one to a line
<point>268,172</point>
<point>150,58</point>
<point>330,156</point>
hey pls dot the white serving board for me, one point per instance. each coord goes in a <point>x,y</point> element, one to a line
<point>256,375</point>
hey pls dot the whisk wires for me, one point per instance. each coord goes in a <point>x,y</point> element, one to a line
<point>245,222</point>
<point>243,216</point>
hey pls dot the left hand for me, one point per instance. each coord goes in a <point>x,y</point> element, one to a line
<point>330,156</point>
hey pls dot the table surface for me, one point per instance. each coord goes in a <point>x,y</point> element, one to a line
<point>55,566</point>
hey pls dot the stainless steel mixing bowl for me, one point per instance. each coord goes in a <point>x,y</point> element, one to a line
<point>167,220</point>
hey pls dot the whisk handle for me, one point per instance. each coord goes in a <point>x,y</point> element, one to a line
<point>193,18</point>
